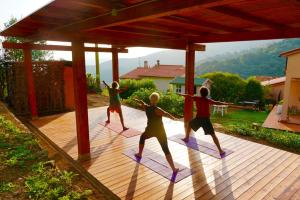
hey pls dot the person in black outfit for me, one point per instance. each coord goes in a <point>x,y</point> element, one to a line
<point>155,128</point>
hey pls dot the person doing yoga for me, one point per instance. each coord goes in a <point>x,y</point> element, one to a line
<point>155,128</point>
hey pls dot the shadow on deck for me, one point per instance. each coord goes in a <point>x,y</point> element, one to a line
<point>253,171</point>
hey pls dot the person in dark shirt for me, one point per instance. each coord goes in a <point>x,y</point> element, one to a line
<point>155,128</point>
<point>202,118</point>
<point>114,102</point>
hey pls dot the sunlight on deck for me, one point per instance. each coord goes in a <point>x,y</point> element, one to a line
<point>253,171</point>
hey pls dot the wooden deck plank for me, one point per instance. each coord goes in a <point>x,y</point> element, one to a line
<point>223,186</point>
<point>207,171</point>
<point>252,171</point>
<point>287,187</point>
<point>260,177</point>
<point>271,180</point>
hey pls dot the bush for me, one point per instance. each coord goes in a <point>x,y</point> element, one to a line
<point>170,102</point>
<point>276,137</point>
<point>253,90</point>
<point>226,87</point>
<point>92,84</point>
<point>134,85</point>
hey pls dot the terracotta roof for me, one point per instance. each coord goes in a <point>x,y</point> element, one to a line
<point>291,52</point>
<point>274,81</point>
<point>162,71</point>
<point>265,78</point>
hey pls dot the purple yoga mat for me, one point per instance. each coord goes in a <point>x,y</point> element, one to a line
<point>202,146</point>
<point>117,127</point>
<point>159,164</point>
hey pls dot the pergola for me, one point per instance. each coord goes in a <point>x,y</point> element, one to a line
<point>172,24</point>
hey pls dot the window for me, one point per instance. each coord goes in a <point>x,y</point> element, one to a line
<point>178,88</point>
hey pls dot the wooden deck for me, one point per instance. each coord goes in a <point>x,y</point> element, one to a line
<point>272,122</point>
<point>253,171</point>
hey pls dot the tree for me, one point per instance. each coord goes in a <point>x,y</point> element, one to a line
<point>16,55</point>
<point>254,90</point>
<point>226,86</point>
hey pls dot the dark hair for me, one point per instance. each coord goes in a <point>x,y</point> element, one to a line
<point>204,91</point>
<point>115,85</point>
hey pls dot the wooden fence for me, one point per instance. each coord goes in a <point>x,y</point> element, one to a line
<point>49,87</point>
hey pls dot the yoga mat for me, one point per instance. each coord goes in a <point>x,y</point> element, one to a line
<point>159,164</point>
<point>117,127</point>
<point>202,146</point>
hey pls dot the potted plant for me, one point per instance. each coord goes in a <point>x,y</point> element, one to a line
<point>279,107</point>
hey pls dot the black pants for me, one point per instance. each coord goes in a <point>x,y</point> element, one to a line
<point>162,139</point>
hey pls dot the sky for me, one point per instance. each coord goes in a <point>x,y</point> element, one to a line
<point>23,8</point>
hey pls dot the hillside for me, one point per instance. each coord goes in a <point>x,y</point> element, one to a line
<point>213,50</point>
<point>256,61</point>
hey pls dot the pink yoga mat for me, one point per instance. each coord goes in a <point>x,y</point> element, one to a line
<point>159,164</point>
<point>202,146</point>
<point>117,127</point>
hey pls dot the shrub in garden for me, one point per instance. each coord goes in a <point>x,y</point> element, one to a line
<point>226,87</point>
<point>92,84</point>
<point>276,137</point>
<point>29,171</point>
<point>170,102</point>
<point>253,90</point>
<point>134,85</point>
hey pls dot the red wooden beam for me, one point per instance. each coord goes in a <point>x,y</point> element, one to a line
<point>251,35</point>
<point>138,31</point>
<point>10,45</point>
<point>247,16</point>
<point>30,82</point>
<point>80,96</point>
<point>143,11</point>
<point>168,28</point>
<point>189,82</point>
<point>200,23</point>
<point>115,66</point>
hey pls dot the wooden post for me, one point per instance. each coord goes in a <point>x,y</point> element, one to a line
<point>189,82</point>
<point>30,82</point>
<point>115,65</point>
<point>80,95</point>
<point>97,67</point>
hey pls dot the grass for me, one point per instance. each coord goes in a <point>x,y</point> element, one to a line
<point>239,122</point>
<point>26,172</point>
<point>238,116</point>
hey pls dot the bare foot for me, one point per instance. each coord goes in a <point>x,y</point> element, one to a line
<point>186,140</point>
<point>107,121</point>
<point>175,171</point>
<point>138,155</point>
<point>222,154</point>
<point>125,128</point>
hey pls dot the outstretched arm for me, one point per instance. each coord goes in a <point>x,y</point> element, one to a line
<point>163,113</point>
<point>122,89</point>
<point>105,84</point>
<point>142,103</point>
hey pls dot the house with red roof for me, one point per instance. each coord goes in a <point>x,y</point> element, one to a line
<point>276,86</point>
<point>161,74</point>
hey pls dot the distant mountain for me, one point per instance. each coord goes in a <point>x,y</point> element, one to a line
<point>213,50</point>
<point>263,61</point>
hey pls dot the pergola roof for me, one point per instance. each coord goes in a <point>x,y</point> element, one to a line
<point>157,23</point>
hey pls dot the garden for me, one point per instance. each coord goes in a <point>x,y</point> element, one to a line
<point>226,87</point>
<point>26,172</point>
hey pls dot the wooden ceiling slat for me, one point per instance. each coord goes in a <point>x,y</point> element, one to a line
<point>201,23</point>
<point>132,30</point>
<point>165,24</point>
<point>246,16</point>
<point>145,10</point>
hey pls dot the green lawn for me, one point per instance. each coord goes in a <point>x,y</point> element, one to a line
<point>237,116</point>
<point>239,122</point>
